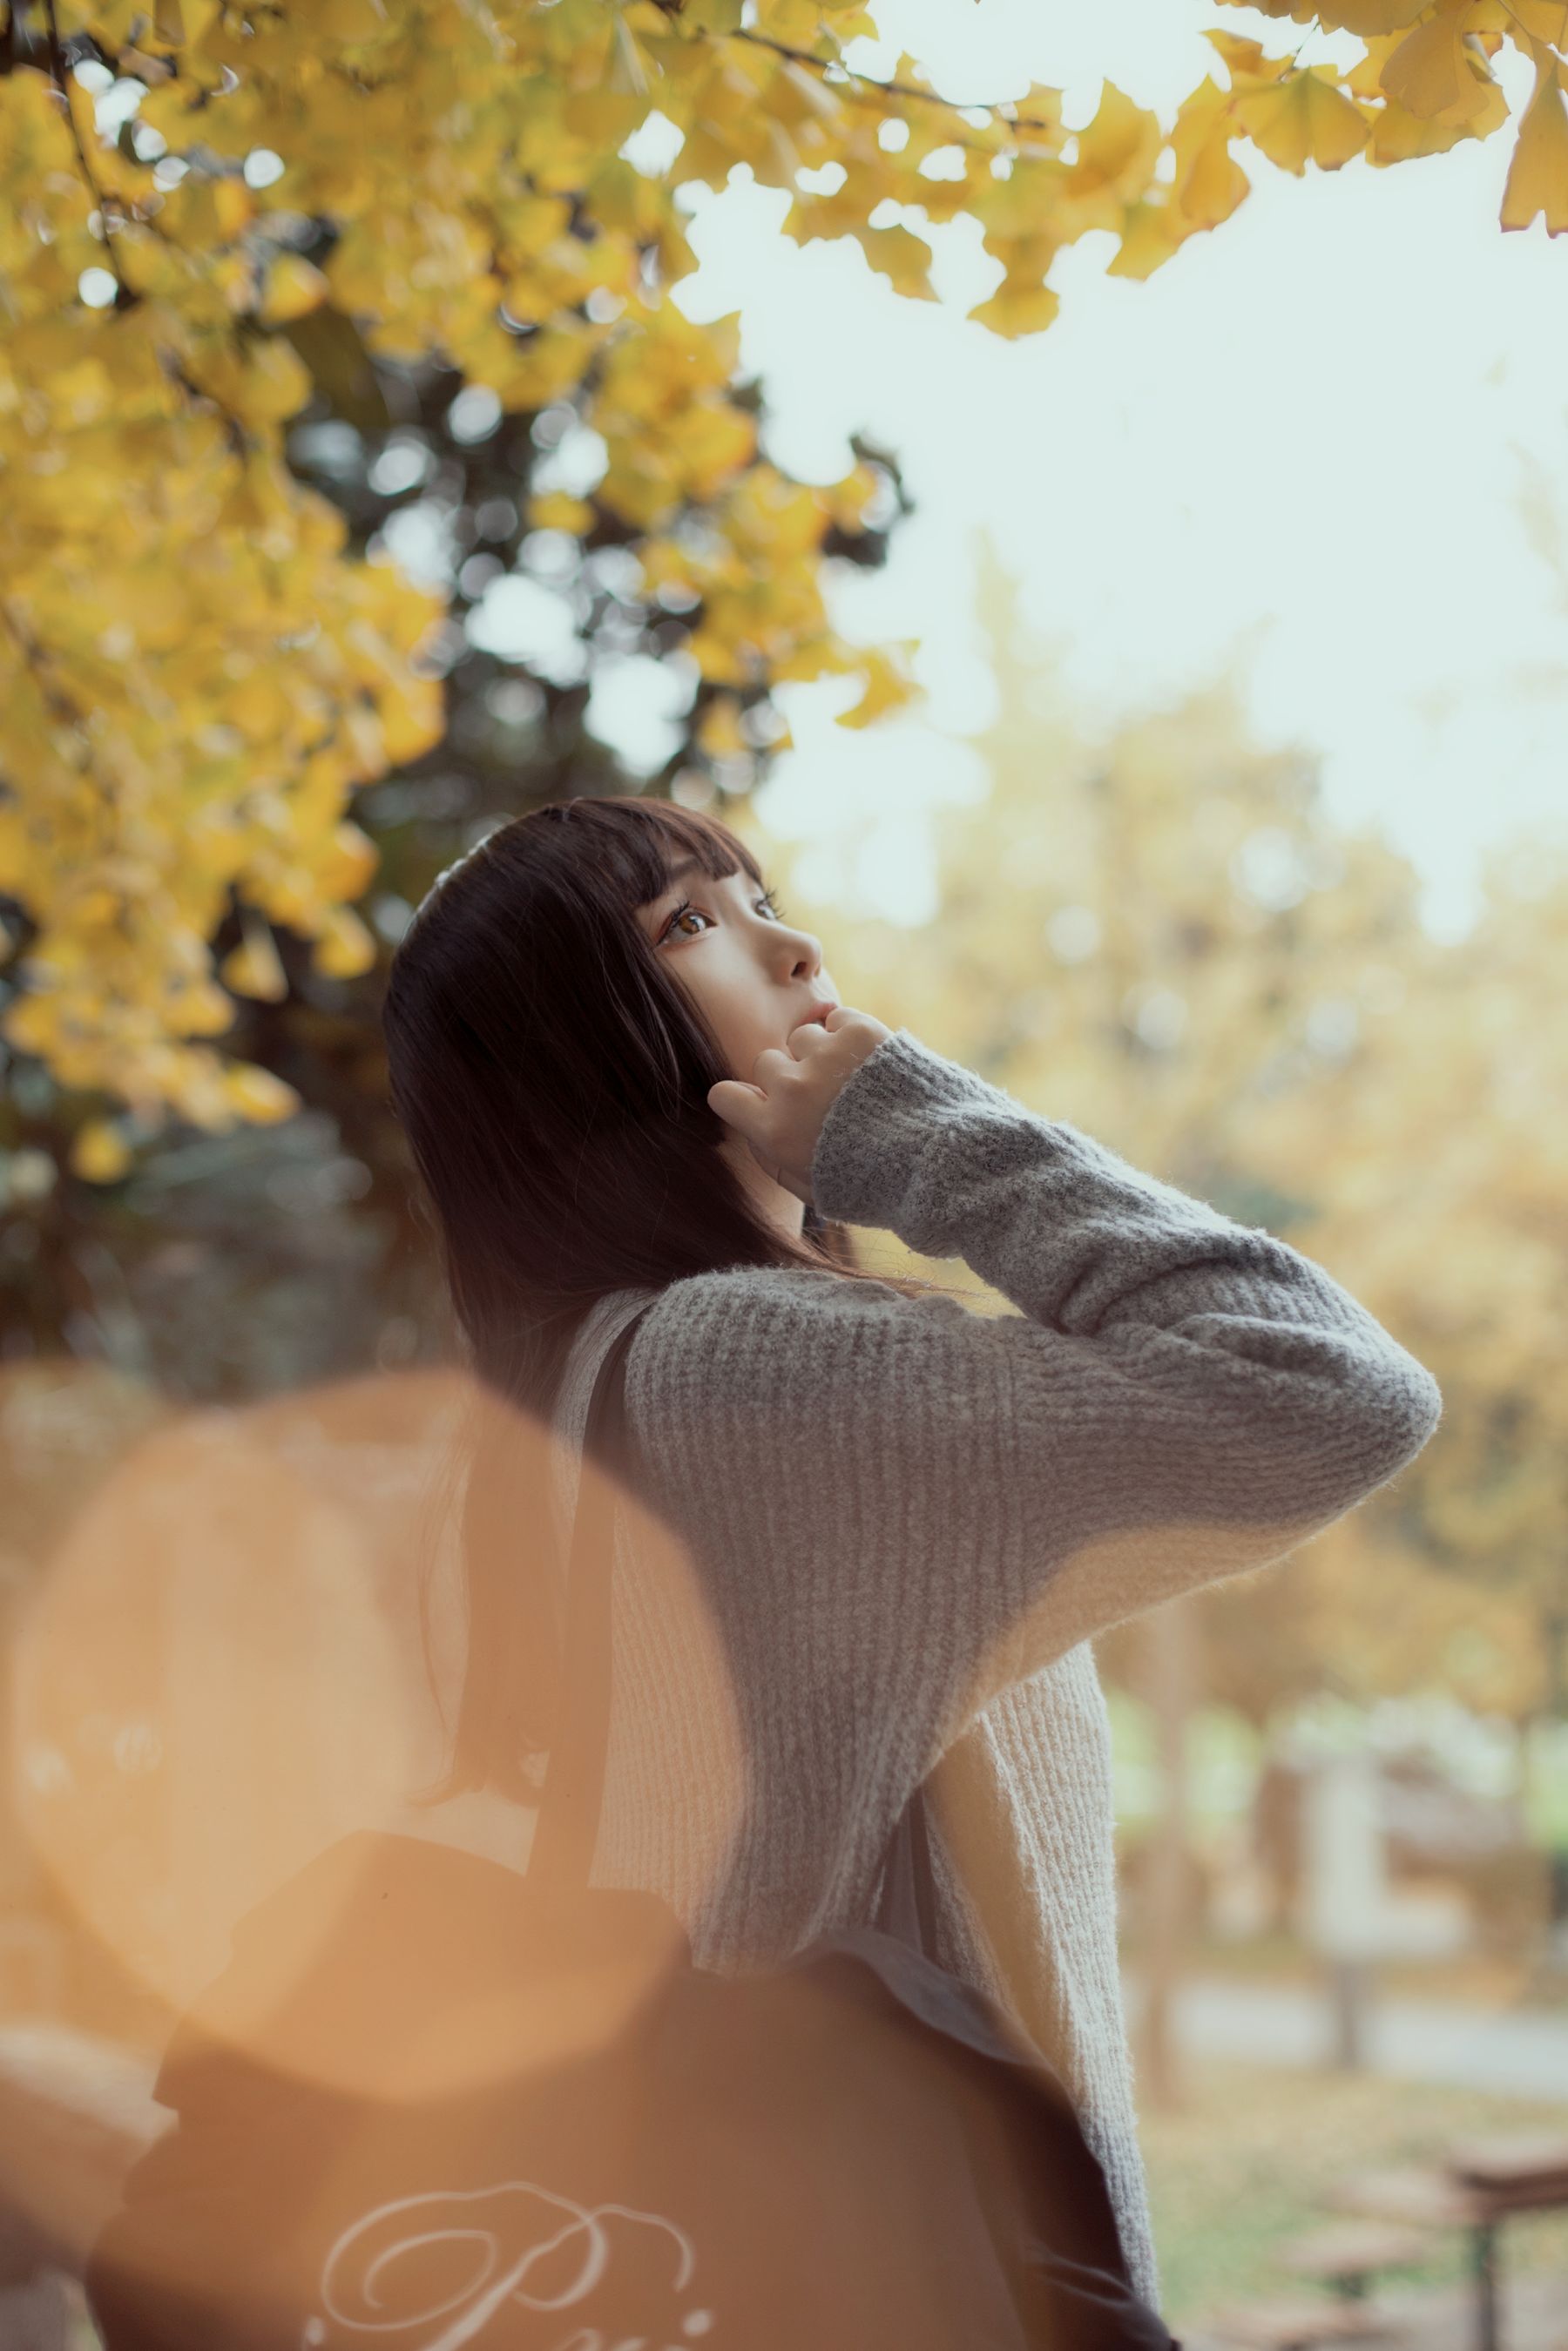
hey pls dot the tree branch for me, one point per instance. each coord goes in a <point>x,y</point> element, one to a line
<point>1002,107</point>
<point>241,439</point>
<point>60,705</point>
<point>55,699</point>
<point>128,293</point>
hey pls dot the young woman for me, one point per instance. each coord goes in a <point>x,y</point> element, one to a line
<point>625,1075</point>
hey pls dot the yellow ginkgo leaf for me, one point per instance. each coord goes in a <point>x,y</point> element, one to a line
<point>532,222</point>
<point>1213,184</point>
<point>200,1009</point>
<point>348,861</point>
<point>1398,136</point>
<point>258,707</point>
<point>414,718</point>
<point>353,20</point>
<point>1015,311</point>
<point>1150,234</point>
<point>1247,58</point>
<point>827,216</point>
<point>1365,78</point>
<point>1115,160</point>
<point>904,259</point>
<point>1537,181</point>
<point>294,287</point>
<point>559,510</point>
<point>233,206</point>
<point>717,660</point>
<point>344,948</point>
<point>887,684</point>
<point>256,1094</point>
<point>1306,119</point>
<point>788,20</point>
<point>1432,72</point>
<point>1368,18</point>
<point>255,968</point>
<point>718,729</point>
<point>628,65</point>
<point>1543,20</point>
<point>100,1152</point>
<point>1209,184</point>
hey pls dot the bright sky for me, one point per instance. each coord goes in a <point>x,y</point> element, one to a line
<point>1311,443</point>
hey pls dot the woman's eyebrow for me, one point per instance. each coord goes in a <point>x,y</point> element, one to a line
<point>676,873</point>
<point>690,865</point>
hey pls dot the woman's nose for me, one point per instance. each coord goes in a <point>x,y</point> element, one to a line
<point>802,954</point>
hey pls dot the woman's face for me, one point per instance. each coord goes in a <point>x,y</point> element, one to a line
<point>751,975</point>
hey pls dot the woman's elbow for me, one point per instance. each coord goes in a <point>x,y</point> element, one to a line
<point>1387,1421</point>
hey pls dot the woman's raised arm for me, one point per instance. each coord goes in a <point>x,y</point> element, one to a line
<point>1180,1398</point>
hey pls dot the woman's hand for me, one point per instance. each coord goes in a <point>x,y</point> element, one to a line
<point>780,1113</point>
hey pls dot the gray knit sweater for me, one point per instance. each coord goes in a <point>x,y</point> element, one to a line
<point>905,1520</point>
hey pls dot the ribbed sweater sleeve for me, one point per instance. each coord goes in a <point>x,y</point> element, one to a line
<point>1180,1397</point>
<point>1170,1369</point>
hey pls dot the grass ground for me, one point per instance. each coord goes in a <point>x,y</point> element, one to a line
<point>1251,2160</point>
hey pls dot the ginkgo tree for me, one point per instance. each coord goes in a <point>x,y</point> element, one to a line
<point>200,195</point>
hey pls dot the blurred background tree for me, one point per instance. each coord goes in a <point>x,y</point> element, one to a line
<point>1159,933</point>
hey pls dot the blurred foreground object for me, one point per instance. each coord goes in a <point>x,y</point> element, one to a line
<point>75,2114</point>
<point>428,2099</point>
<point>430,2092</point>
<point>249,1642</point>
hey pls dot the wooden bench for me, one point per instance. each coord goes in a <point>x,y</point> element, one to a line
<point>1348,2255</point>
<point>1530,2168</point>
<point>1307,2324</point>
<point>1484,2183</point>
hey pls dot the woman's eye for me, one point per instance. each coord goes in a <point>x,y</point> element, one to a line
<point>689,914</point>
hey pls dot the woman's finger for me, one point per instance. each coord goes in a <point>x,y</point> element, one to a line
<point>810,1037</point>
<point>737,1105</point>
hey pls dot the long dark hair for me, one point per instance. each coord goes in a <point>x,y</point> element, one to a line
<point>552,1077</point>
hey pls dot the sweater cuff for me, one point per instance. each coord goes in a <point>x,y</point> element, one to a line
<point>862,1159</point>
